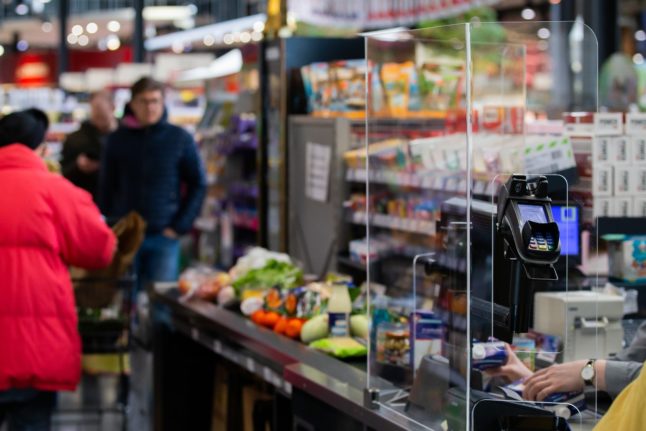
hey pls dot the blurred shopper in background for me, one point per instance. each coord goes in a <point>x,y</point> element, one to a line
<point>153,167</point>
<point>82,149</point>
<point>46,224</point>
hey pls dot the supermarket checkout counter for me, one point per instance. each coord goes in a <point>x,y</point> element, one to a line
<point>312,391</point>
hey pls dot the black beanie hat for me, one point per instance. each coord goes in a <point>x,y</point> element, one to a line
<point>26,127</point>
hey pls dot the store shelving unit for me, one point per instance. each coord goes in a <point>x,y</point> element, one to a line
<point>231,220</point>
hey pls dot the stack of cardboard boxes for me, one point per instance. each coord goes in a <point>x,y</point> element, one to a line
<point>610,150</point>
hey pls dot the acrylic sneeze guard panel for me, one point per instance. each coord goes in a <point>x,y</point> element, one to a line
<point>417,159</point>
<point>457,123</point>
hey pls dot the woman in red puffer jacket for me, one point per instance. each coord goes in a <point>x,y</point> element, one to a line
<point>46,224</point>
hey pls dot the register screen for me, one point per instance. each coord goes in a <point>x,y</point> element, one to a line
<point>535,213</point>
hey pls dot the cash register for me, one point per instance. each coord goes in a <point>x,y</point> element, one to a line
<point>519,241</point>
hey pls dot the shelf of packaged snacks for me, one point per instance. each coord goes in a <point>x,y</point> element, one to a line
<point>361,115</point>
<point>242,190</point>
<point>453,182</point>
<point>425,227</point>
<point>244,221</point>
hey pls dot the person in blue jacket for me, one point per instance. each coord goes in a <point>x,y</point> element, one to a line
<point>152,167</point>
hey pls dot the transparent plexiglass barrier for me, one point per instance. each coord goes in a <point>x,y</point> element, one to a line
<point>453,116</point>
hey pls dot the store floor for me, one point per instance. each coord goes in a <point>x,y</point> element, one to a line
<point>93,406</point>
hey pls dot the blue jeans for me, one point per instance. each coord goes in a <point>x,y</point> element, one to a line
<point>157,260</point>
<point>27,409</point>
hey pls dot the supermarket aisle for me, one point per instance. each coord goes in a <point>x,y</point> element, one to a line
<point>78,411</point>
<point>141,383</point>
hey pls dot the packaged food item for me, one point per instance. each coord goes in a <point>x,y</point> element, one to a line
<point>396,80</point>
<point>340,347</point>
<point>426,332</point>
<point>274,299</point>
<point>203,282</point>
<point>488,355</point>
<point>525,349</point>
<point>393,345</point>
<point>339,308</point>
<point>292,300</point>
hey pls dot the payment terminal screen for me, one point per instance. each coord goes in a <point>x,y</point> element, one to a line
<point>535,213</point>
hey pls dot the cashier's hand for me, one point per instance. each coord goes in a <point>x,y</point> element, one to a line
<point>513,370</point>
<point>557,378</point>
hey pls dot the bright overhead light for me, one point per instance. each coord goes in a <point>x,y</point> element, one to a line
<point>638,59</point>
<point>72,39</point>
<point>77,30</point>
<point>84,40</point>
<point>218,30</point>
<point>256,36</point>
<point>178,47</point>
<point>22,45</point>
<point>91,27</point>
<point>114,26</point>
<point>47,27</point>
<point>258,26</point>
<point>544,33</point>
<point>528,14</point>
<point>22,9</point>
<point>228,39</point>
<point>102,44</point>
<point>208,40</point>
<point>113,42</point>
<point>640,35</point>
<point>1,50</point>
<point>150,31</point>
<point>226,64</point>
<point>245,37</point>
<point>169,13</point>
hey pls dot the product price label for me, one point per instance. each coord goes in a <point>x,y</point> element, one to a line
<point>338,324</point>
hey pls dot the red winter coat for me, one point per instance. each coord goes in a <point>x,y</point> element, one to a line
<point>46,224</point>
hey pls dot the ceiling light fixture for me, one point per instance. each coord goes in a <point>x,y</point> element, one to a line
<point>528,14</point>
<point>114,26</point>
<point>22,45</point>
<point>22,9</point>
<point>91,27</point>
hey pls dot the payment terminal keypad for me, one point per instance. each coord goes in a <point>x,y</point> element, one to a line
<point>541,242</point>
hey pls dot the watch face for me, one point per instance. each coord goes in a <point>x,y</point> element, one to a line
<point>587,373</point>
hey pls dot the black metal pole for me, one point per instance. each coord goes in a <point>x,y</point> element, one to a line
<point>63,51</point>
<point>138,35</point>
